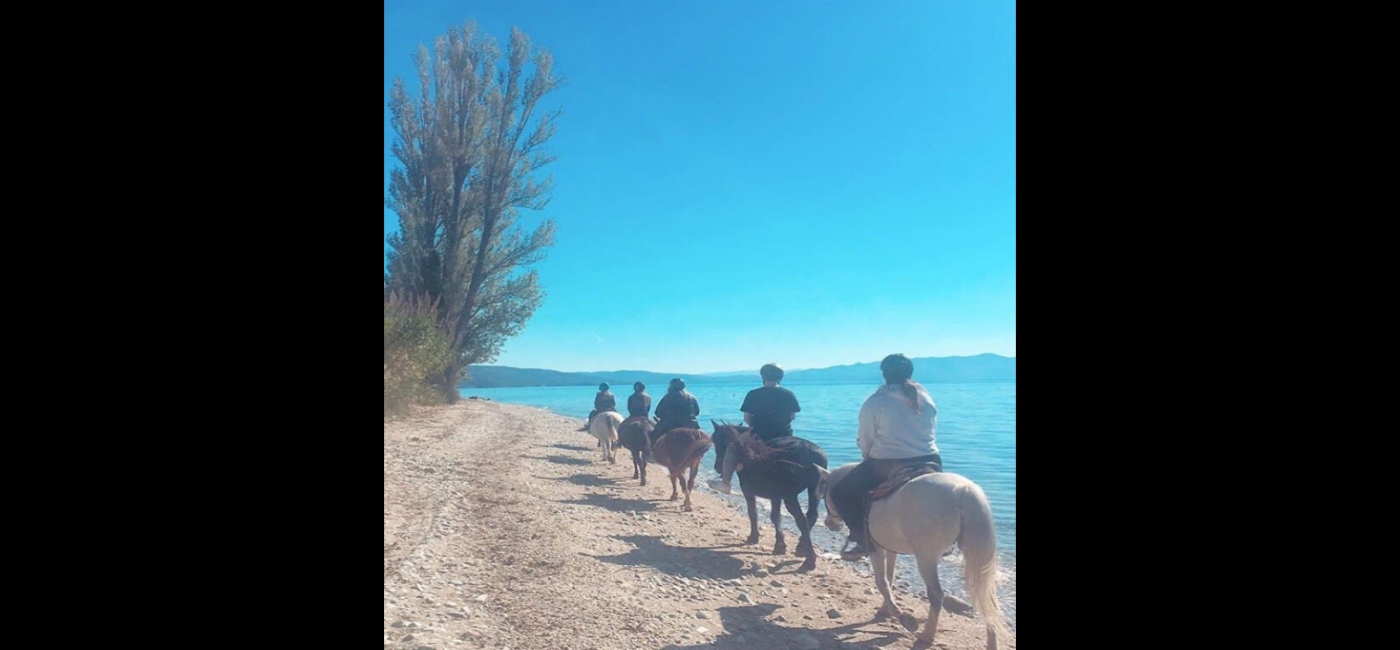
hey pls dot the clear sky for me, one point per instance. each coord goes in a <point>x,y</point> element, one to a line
<point>807,182</point>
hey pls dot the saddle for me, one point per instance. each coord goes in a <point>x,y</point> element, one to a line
<point>899,478</point>
<point>892,484</point>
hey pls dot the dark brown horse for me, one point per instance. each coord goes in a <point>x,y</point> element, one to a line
<point>635,435</point>
<point>778,470</point>
<point>678,450</point>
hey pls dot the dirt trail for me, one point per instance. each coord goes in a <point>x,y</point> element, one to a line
<point>503,529</point>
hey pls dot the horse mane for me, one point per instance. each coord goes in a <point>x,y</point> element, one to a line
<point>752,447</point>
<point>724,431</point>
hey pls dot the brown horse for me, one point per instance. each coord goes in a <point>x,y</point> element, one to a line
<point>635,435</point>
<point>777,470</point>
<point>678,450</point>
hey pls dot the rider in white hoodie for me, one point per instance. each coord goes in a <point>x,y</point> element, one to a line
<point>897,426</point>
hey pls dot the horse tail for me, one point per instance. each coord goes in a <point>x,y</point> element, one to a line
<point>978,541</point>
<point>699,445</point>
<point>612,427</point>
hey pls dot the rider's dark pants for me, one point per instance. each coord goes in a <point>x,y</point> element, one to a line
<point>849,494</point>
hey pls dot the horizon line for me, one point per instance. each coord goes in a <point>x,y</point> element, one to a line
<point>727,372</point>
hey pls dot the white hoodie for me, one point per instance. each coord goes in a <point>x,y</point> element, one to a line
<point>890,429</point>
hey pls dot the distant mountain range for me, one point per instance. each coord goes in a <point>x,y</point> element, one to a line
<point>930,370</point>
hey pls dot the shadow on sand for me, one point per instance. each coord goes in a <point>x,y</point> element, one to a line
<point>590,480</point>
<point>615,504</point>
<point>565,460</point>
<point>675,560</point>
<point>749,627</point>
<point>745,548</point>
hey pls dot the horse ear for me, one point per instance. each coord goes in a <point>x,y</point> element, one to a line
<point>824,471</point>
<point>716,424</point>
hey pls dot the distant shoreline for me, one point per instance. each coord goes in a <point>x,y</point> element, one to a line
<point>929,370</point>
<point>739,381</point>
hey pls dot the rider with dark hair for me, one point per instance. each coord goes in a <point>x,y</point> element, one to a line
<point>896,430</point>
<point>639,402</point>
<point>639,405</point>
<point>677,409</point>
<point>769,410</point>
<point>603,401</point>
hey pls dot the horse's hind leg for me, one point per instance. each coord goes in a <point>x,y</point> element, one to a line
<point>779,548</point>
<point>636,464</point>
<point>928,569</point>
<point>673,486</point>
<point>689,487</point>
<point>881,564</point>
<point>804,545</point>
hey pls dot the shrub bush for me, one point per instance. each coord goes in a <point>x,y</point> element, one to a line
<point>415,348</point>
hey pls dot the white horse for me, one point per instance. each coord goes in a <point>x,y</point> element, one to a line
<point>603,426</point>
<point>924,518</point>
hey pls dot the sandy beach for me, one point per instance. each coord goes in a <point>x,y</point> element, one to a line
<point>504,529</point>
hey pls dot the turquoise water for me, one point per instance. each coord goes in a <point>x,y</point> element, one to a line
<point>976,437</point>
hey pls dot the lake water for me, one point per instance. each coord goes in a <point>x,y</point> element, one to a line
<point>976,437</point>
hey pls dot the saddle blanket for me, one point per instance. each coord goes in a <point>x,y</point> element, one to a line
<point>900,477</point>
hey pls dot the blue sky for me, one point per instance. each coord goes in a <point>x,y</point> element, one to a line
<point>811,183</point>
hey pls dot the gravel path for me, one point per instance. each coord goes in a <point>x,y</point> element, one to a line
<point>503,529</point>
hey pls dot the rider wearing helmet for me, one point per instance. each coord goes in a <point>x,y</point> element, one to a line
<point>677,409</point>
<point>769,410</point>
<point>639,402</point>
<point>639,406</point>
<point>603,401</point>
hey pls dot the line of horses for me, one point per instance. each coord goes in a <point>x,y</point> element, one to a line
<point>924,517</point>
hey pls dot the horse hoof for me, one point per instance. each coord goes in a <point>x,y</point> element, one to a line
<point>810,564</point>
<point>752,539</point>
<point>779,550</point>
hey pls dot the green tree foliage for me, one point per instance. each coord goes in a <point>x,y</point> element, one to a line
<point>415,349</point>
<point>470,145</point>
